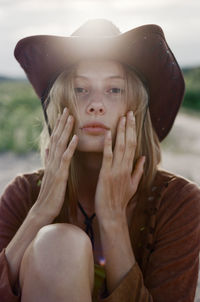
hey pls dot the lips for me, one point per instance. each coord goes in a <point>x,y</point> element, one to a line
<point>95,128</point>
<point>95,125</point>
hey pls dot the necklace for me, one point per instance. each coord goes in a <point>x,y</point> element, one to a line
<point>88,222</point>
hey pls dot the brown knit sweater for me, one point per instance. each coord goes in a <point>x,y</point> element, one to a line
<point>165,236</point>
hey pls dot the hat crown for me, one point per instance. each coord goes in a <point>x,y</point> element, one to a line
<point>97,28</point>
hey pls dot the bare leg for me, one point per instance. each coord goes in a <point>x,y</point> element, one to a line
<point>58,266</point>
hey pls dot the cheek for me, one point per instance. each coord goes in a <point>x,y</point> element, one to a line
<point>78,121</point>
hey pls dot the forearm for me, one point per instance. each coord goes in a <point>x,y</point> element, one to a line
<point>117,251</point>
<point>17,246</point>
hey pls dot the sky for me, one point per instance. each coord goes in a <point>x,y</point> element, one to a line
<point>180,20</point>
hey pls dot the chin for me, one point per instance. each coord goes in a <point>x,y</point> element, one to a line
<point>91,145</point>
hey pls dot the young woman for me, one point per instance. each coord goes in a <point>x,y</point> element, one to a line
<point>101,222</point>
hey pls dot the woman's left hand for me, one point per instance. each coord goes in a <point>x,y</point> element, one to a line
<point>117,182</point>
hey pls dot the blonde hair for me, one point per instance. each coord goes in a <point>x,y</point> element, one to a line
<point>62,94</point>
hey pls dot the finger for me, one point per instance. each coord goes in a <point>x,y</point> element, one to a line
<point>61,124</point>
<point>64,138</point>
<point>107,152</point>
<point>57,123</point>
<point>131,141</point>
<point>56,126</point>
<point>120,142</point>
<point>58,131</point>
<point>53,132</point>
<point>138,171</point>
<point>67,156</point>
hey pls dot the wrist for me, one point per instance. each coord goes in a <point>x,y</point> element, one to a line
<point>113,224</point>
<point>38,217</point>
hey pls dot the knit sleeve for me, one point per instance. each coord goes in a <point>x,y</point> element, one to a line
<point>171,271</point>
<point>14,206</point>
<point>7,293</point>
<point>130,289</point>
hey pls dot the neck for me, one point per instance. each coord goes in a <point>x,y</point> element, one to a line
<point>89,160</point>
<point>88,165</point>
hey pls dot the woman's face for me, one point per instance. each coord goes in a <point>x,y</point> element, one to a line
<point>99,88</point>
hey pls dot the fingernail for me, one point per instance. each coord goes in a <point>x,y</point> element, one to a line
<point>130,114</point>
<point>65,110</point>
<point>143,159</point>
<point>123,119</point>
<point>70,118</point>
<point>109,134</point>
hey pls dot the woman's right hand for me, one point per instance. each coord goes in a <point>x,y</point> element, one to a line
<point>57,162</point>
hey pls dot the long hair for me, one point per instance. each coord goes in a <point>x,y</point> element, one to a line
<point>136,96</point>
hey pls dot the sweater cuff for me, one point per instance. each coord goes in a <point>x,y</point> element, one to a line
<point>131,288</point>
<point>6,291</point>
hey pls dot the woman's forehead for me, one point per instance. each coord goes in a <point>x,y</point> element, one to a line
<point>99,68</point>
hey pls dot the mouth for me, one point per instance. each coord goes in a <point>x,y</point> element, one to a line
<point>95,125</point>
<point>94,130</point>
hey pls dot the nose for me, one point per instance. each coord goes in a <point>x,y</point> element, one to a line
<point>96,105</point>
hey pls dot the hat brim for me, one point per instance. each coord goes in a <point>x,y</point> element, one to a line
<point>144,48</point>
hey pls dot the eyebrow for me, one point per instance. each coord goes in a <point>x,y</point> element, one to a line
<point>110,77</point>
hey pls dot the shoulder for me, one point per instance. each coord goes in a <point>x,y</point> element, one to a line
<point>167,176</point>
<point>30,179</point>
<point>178,200</point>
<point>23,186</point>
<point>175,185</point>
<point>26,180</point>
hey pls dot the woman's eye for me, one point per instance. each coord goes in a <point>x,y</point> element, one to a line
<point>80,90</point>
<point>116,90</point>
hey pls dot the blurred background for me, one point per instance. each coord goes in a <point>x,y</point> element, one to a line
<point>20,111</point>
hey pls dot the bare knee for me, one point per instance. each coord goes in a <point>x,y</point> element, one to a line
<point>57,248</point>
<point>62,235</point>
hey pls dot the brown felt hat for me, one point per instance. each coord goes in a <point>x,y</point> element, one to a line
<point>44,57</point>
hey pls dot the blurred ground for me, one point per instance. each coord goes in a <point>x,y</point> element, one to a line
<point>181,155</point>
<point>11,165</point>
<point>181,149</point>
